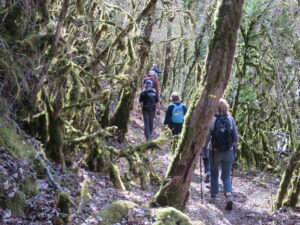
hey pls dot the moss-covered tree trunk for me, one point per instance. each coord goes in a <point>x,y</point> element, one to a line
<point>54,146</point>
<point>175,189</point>
<point>168,50</point>
<point>125,105</point>
<point>286,178</point>
<point>191,81</point>
<point>294,192</point>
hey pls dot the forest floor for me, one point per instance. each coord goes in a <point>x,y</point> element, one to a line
<point>254,193</point>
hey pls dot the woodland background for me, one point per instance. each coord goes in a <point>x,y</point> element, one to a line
<point>70,71</point>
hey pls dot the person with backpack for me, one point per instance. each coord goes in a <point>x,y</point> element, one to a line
<point>223,138</point>
<point>155,68</point>
<point>149,100</point>
<point>175,114</point>
<point>152,76</point>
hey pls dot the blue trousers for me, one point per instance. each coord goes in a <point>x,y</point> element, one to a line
<point>148,123</point>
<point>225,160</point>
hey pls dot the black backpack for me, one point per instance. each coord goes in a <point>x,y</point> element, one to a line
<point>222,135</point>
<point>150,104</point>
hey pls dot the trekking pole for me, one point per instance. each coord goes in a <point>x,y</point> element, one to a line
<point>201,186</point>
<point>234,155</point>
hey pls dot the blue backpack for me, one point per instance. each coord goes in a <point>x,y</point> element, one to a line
<point>177,114</point>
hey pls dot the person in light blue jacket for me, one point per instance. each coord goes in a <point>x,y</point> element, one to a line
<point>175,114</point>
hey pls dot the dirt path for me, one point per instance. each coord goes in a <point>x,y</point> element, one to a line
<point>253,199</point>
<point>254,194</point>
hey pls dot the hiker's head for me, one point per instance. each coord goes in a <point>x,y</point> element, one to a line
<point>223,106</point>
<point>151,73</point>
<point>175,97</point>
<point>154,66</point>
<point>148,84</point>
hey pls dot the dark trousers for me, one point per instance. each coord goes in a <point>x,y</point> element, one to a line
<point>175,128</point>
<point>148,123</point>
<point>206,165</point>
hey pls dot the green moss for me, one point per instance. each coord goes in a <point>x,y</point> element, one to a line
<point>3,107</point>
<point>13,143</point>
<point>39,169</point>
<point>116,177</point>
<point>15,21</point>
<point>170,216</point>
<point>64,205</point>
<point>58,221</point>
<point>114,212</point>
<point>262,184</point>
<point>84,195</point>
<point>169,197</point>
<point>30,186</point>
<point>16,204</point>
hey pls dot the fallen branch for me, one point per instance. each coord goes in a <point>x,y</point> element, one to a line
<point>51,179</point>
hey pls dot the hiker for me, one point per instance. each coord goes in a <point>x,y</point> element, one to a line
<point>149,100</point>
<point>152,76</point>
<point>224,137</point>
<point>155,68</point>
<point>175,114</point>
<point>204,157</point>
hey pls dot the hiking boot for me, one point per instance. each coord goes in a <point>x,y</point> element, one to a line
<point>229,202</point>
<point>212,199</point>
<point>206,180</point>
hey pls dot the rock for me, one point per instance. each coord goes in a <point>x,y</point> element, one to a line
<point>115,212</point>
<point>170,216</point>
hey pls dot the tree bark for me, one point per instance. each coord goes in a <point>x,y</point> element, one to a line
<point>168,50</point>
<point>199,55</point>
<point>293,194</point>
<point>175,189</point>
<point>60,24</point>
<point>125,105</point>
<point>286,178</point>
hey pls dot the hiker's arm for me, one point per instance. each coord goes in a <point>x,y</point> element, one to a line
<point>141,99</point>
<point>168,115</point>
<point>156,85</point>
<point>141,103</point>
<point>157,105</point>
<point>235,134</point>
<point>184,109</point>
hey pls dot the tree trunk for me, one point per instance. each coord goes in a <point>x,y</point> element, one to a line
<point>286,178</point>
<point>61,21</point>
<point>175,189</point>
<point>125,105</point>
<point>293,194</point>
<point>199,55</point>
<point>168,50</point>
<point>54,146</point>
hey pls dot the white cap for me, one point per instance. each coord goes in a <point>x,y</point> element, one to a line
<point>152,73</point>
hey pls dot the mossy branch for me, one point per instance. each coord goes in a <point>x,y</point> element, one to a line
<point>84,104</point>
<point>140,149</point>
<point>102,133</point>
